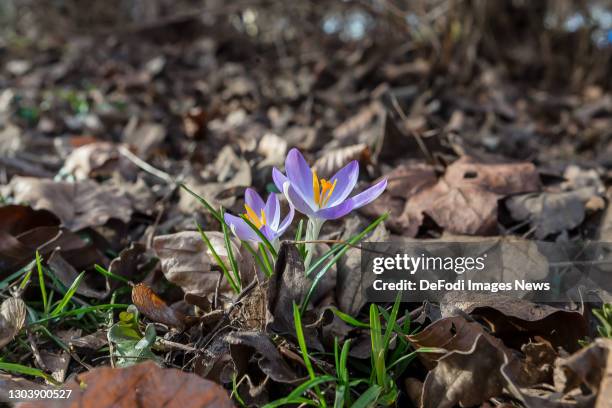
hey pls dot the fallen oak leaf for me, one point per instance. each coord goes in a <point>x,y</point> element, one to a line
<point>141,385</point>
<point>153,307</point>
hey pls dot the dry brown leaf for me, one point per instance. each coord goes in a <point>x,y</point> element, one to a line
<point>517,321</point>
<point>141,385</point>
<point>12,318</point>
<point>67,275</point>
<point>550,213</point>
<point>187,262</point>
<point>452,334</point>
<point>249,346</point>
<point>56,363</point>
<point>581,380</point>
<point>357,123</point>
<point>92,160</point>
<point>465,200</point>
<point>404,182</point>
<point>467,378</point>
<point>78,205</point>
<point>153,307</point>
<point>273,148</point>
<point>145,138</point>
<point>333,160</point>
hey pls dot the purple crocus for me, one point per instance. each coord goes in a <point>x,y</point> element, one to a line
<point>265,216</point>
<point>319,198</point>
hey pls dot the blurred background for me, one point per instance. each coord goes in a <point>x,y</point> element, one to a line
<point>523,79</point>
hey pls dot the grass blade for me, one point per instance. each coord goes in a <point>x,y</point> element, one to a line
<point>218,259</point>
<point>342,248</point>
<point>299,331</point>
<point>21,369</point>
<point>81,310</point>
<point>41,282</point>
<point>295,396</point>
<point>230,254</point>
<point>349,319</point>
<point>264,256</point>
<point>71,291</point>
<point>205,203</point>
<point>107,273</point>
<point>368,399</point>
<point>258,259</point>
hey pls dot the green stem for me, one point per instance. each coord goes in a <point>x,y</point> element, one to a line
<point>313,228</point>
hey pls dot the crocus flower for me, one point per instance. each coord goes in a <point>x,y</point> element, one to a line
<point>319,198</point>
<point>265,216</point>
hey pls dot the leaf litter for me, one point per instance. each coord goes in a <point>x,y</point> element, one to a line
<point>97,136</point>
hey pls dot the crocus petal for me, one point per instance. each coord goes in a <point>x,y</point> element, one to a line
<point>287,221</point>
<point>272,211</point>
<point>295,199</point>
<point>240,228</point>
<point>300,176</point>
<point>332,213</point>
<point>347,178</point>
<point>269,233</point>
<point>369,195</point>
<point>353,203</point>
<point>279,178</point>
<point>253,200</point>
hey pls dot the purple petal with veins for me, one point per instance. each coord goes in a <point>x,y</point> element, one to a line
<point>253,200</point>
<point>347,178</point>
<point>300,175</point>
<point>295,200</point>
<point>272,211</point>
<point>240,228</point>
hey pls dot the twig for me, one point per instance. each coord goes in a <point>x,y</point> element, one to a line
<point>173,345</point>
<point>146,166</point>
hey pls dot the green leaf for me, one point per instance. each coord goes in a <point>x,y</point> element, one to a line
<point>368,399</point>
<point>27,270</point>
<point>82,310</point>
<point>218,259</point>
<point>297,318</point>
<point>71,291</point>
<point>264,256</point>
<point>349,319</point>
<point>41,282</point>
<point>339,251</point>
<point>294,396</point>
<point>230,255</point>
<point>267,269</point>
<point>107,273</point>
<point>130,347</point>
<point>25,370</point>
